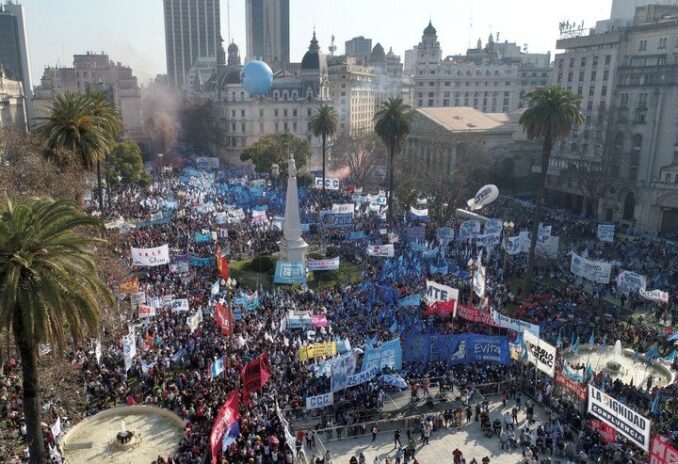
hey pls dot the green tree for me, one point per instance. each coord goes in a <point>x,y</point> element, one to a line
<point>552,113</point>
<point>125,164</point>
<point>324,124</point>
<point>275,148</point>
<point>393,124</point>
<point>49,288</point>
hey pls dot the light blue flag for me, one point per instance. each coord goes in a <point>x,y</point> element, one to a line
<point>217,367</point>
<point>559,340</point>
<point>394,327</point>
<point>655,404</point>
<point>592,340</point>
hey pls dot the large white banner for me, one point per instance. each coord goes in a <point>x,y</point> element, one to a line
<point>630,282</point>
<point>383,251</point>
<point>541,354</point>
<point>514,324</point>
<point>343,208</point>
<point>595,271</point>
<point>548,248</point>
<point>479,281</point>
<point>439,292</point>
<point>657,296</point>
<point>319,401</point>
<point>330,184</point>
<point>626,421</point>
<point>205,162</point>
<point>129,349</point>
<point>150,256</point>
<point>606,232</point>
<point>323,264</point>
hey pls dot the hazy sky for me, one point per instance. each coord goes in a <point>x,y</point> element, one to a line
<point>132,31</point>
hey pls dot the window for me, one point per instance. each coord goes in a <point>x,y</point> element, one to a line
<point>571,62</point>
<point>642,46</point>
<point>294,113</point>
<point>593,75</point>
<point>581,76</point>
<point>261,113</point>
<point>242,113</point>
<point>642,101</point>
<point>569,77</point>
<point>583,61</point>
<point>285,112</point>
<point>242,127</point>
<point>608,59</point>
<point>606,75</point>
<point>624,100</point>
<point>595,60</point>
<point>233,113</point>
<point>662,43</point>
<point>603,91</point>
<point>275,112</point>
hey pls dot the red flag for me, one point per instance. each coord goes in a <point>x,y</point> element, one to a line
<point>224,317</point>
<point>255,375</point>
<point>227,415</point>
<point>222,264</point>
<point>442,308</point>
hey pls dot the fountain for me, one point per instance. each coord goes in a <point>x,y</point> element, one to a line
<point>124,437</point>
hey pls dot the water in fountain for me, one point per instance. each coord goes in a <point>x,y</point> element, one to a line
<point>617,351</point>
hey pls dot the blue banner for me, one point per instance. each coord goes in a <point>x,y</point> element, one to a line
<point>457,349</point>
<point>445,233</point>
<point>389,354</point>
<point>357,235</point>
<point>289,273</point>
<point>416,234</point>
<point>337,220</point>
<point>410,300</point>
<point>197,261</point>
<point>203,238</point>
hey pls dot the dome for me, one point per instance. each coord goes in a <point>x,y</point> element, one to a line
<point>377,55</point>
<point>390,53</point>
<point>313,57</point>
<point>430,29</point>
<point>232,48</point>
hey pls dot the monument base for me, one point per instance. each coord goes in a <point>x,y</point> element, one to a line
<point>293,251</point>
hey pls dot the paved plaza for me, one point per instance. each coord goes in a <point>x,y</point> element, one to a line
<point>468,438</point>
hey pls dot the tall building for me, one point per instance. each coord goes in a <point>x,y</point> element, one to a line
<point>95,71</point>
<point>493,78</point>
<point>12,103</point>
<point>359,48</point>
<point>268,32</point>
<point>192,31</point>
<point>625,10</point>
<point>622,164</point>
<point>14,56</point>
<point>410,61</point>
<point>352,91</point>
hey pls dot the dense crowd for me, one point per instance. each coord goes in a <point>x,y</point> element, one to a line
<point>171,369</point>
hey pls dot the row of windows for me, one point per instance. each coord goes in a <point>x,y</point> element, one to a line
<point>582,75</point>
<point>276,113</point>
<point>467,94</point>
<point>583,61</point>
<point>285,125</point>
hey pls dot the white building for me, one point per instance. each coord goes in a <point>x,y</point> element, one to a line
<point>12,103</point>
<point>493,78</point>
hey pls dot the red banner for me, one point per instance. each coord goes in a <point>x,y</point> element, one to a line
<point>255,375</point>
<point>227,415</point>
<point>607,433</point>
<point>578,389</point>
<point>222,264</point>
<point>224,318</point>
<point>443,309</point>
<point>661,452</point>
<point>473,314</point>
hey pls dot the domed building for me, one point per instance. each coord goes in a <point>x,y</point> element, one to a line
<point>378,57</point>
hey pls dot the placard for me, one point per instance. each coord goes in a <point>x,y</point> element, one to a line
<point>540,353</point>
<point>626,421</point>
<point>319,401</point>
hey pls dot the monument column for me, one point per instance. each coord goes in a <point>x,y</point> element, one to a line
<point>292,247</point>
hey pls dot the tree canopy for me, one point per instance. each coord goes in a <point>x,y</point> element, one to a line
<point>125,163</point>
<point>275,148</point>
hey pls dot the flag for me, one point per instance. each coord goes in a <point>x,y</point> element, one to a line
<point>592,339</point>
<point>97,351</point>
<point>216,368</point>
<point>394,327</point>
<point>224,318</point>
<point>225,425</point>
<point>254,375</point>
<point>214,291</point>
<point>222,264</point>
<point>655,404</point>
<point>559,340</point>
<point>575,346</point>
<point>194,320</point>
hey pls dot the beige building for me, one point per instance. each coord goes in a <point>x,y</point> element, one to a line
<point>93,70</point>
<point>352,92</point>
<point>12,103</point>
<point>493,78</point>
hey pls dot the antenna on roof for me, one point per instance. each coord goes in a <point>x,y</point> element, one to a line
<point>228,16</point>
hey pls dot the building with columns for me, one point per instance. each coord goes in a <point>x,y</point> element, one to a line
<point>493,78</point>
<point>12,103</point>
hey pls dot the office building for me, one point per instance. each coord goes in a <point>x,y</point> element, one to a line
<point>359,48</point>
<point>14,57</point>
<point>192,31</point>
<point>268,32</point>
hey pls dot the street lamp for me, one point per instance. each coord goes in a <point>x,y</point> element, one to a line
<point>472,267</point>
<point>508,229</point>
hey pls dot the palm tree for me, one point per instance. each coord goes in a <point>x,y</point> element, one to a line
<point>393,124</point>
<point>552,113</point>
<point>324,124</point>
<point>49,288</point>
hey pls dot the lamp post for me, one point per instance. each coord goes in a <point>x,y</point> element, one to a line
<point>508,229</point>
<point>472,267</point>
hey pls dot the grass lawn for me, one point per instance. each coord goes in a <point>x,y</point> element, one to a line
<point>242,272</point>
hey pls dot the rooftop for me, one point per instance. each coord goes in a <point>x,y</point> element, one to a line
<point>465,119</point>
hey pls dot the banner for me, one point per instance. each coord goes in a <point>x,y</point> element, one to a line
<point>416,234</point>
<point>661,452</point>
<point>473,314</point>
<point>419,214</point>
<point>389,354</point>
<point>205,162</point>
<point>179,305</point>
<point>255,375</point>
<point>382,251</point>
<point>361,377</point>
<point>129,349</point>
<point>289,273</point>
<point>487,240</point>
<point>438,293</point>
<point>469,229</point>
<point>194,321</point>
<point>516,325</point>
<point>606,232</point>
<point>197,261</point>
<point>130,285</point>
<point>341,369</point>
<point>479,280</point>
<point>514,245</point>
<point>595,271</point>
<point>318,321</point>
<point>216,368</point>
<point>577,389</point>
<point>319,401</point>
<point>456,349</point>
<point>337,220</point>
<point>225,425</point>
<point>410,300</point>
<point>202,238</point>
<point>224,319</point>
<point>157,256</point>
<point>316,350</point>
<point>330,184</point>
<point>323,264</point>
<point>540,353</point>
<point>626,421</point>
<point>548,248</point>
<point>145,311</point>
<point>343,208</point>
<point>137,298</point>
<point>445,234</point>
<point>543,232</point>
<point>494,227</point>
<point>656,296</point>
<point>630,282</point>
<point>607,434</point>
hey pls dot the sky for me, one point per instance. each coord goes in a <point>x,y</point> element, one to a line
<point>132,31</point>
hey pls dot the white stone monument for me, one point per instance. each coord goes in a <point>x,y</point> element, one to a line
<point>292,246</point>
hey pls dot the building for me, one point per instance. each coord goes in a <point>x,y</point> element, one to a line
<point>268,32</point>
<point>14,57</point>
<point>241,119</point>
<point>192,31</point>
<point>94,71</point>
<point>409,67</point>
<point>12,103</point>
<point>200,72</point>
<point>359,48</point>
<point>493,78</point>
<point>352,91</point>
<point>622,165</point>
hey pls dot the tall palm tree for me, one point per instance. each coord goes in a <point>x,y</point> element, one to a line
<point>393,124</point>
<point>552,113</point>
<point>49,288</point>
<point>324,124</point>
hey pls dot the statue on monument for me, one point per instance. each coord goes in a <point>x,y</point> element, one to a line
<point>291,167</point>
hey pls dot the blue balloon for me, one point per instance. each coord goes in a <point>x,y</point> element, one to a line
<point>257,78</point>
